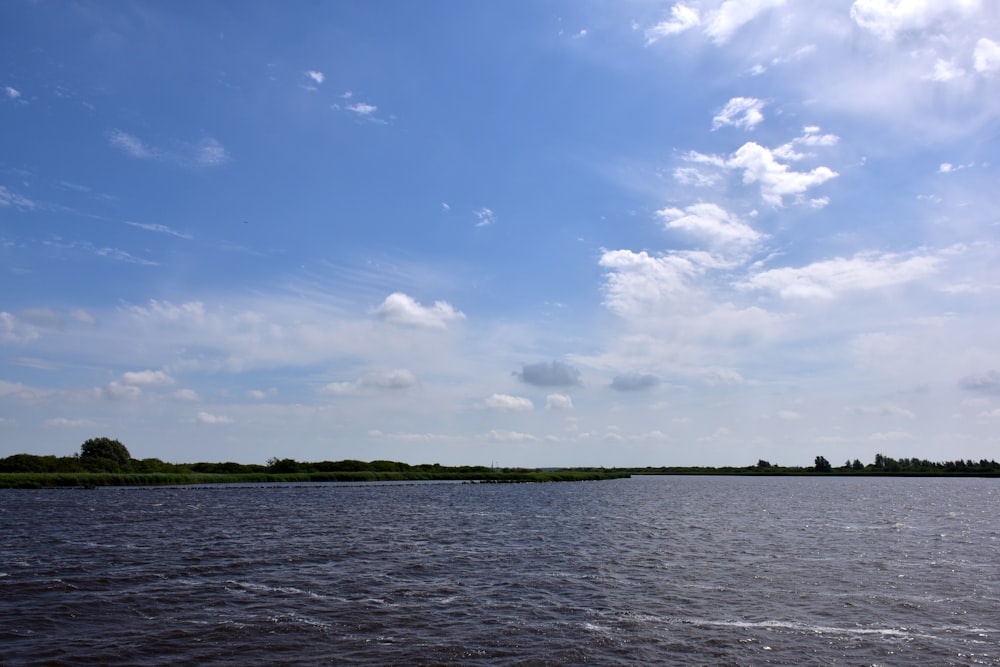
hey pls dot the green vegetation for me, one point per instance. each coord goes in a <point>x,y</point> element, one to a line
<point>107,462</point>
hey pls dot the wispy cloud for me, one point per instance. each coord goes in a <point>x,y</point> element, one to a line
<point>160,229</point>
<point>485,217</point>
<point>8,198</point>
<point>206,152</point>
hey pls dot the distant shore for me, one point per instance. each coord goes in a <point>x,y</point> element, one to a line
<point>41,480</point>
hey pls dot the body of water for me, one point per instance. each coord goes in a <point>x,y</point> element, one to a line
<point>649,570</point>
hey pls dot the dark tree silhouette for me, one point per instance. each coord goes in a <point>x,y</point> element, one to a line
<point>822,465</point>
<point>105,448</point>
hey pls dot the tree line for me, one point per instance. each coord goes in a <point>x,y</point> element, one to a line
<point>107,455</point>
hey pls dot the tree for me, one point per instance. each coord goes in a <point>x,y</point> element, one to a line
<point>761,463</point>
<point>105,448</point>
<point>822,465</point>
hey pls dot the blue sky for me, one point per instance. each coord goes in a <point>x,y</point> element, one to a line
<point>530,233</point>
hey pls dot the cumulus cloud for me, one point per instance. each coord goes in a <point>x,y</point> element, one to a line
<point>315,75</point>
<point>986,57</point>
<point>776,180</point>
<point>400,308</point>
<point>392,380</point>
<point>732,15</point>
<point>549,374</point>
<point>635,382</point>
<point>987,382</point>
<point>147,378</point>
<point>117,391</point>
<point>208,418</point>
<point>889,18</point>
<point>509,436</point>
<point>682,18</point>
<point>740,112</point>
<point>508,403</point>
<point>638,280</point>
<point>830,278</point>
<point>711,223</point>
<point>185,395</point>
<point>362,108</point>
<point>558,402</point>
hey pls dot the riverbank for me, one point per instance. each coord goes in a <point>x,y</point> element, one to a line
<point>40,480</point>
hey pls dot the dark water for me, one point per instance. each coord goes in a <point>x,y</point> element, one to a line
<point>667,570</point>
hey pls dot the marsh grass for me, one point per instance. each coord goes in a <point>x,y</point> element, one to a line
<point>40,480</point>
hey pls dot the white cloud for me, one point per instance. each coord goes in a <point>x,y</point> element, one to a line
<point>886,410</point>
<point>362,108</point>
<point>946,70</point>
<point>315,75</point>
<point>117,391</point>
<point>508,403</point>
<point>696,177</point>
<point>8,198</point>
<point>732,15</point>
<point>63,422</point>
<point>829,278</point>
<point>205,153</point>
<point>160,229</point>
<point>210,153</point>
<point>393,380</point>
<point>13,330</point>
<point>776,180</point>
<point>986,57</point>
<point>682,18</point>
<point>789,415</point>
<point>185,395</point>
<point>888,18</point>
<point>400,308</point>
<point>637,280</point>
<point>147,378</point>
<point>710,223</point>
<point>130,144</point>
<point>485,217</point>
<point>208,418</point>
<point>12,93</point>
<point>509,436</point>
<point>558,402</point>
<point>83,317</point>
<point>890,436</point>
<point>741,112</point>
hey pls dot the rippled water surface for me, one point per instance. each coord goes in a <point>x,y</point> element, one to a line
<point>652,570</point>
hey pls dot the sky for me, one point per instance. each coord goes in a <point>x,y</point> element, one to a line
<point>559,233</point>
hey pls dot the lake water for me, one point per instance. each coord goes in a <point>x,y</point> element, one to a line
<point>649,570</point>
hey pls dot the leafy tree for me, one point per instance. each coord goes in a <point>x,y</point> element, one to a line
<point>105,448</point>
<point>761,463</point>
<point>857,465</point>
<point>822,465</point>
<point>277,465</point>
